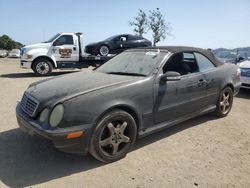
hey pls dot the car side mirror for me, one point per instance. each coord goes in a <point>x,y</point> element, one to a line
<point>123,39</point>
<point>170,76</point>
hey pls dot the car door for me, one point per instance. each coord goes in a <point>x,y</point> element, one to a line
<point>121,43</point>
<point>211,75</point>
<point>65,48</point>
<point>133,41</point>
<point>176,99</point>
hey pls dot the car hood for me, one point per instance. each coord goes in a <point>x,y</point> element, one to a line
<point>65,87</point>
<point>244,64</point>
<point>93,44</point>
<point>38,45</point>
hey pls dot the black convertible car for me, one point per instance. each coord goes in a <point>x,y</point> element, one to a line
<point>116,44</point>
<point>138,92</point>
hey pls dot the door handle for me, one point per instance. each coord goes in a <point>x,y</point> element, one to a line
<point>74,48</point>
<point>201,82</point>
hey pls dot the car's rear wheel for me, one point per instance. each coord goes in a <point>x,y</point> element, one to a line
<point>104,50</point>
<point>225,102</point>
<point>42,67</point>
<point>113,137</point>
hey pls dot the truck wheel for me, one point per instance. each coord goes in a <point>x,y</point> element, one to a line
<point>113,136</point>
<point>42,67</point>
<point>104,50</point>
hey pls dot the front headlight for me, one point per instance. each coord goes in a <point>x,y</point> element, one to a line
<point>239,72</point>
<point>44,115</point>
<point>29,56</point>
<point>56,115</point>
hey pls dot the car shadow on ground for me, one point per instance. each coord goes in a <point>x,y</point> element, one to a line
<point>27,160</point>
<point>244,93</point>
<point>31,74</point>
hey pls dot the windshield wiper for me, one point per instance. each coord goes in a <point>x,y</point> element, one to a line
<point>127,73</point>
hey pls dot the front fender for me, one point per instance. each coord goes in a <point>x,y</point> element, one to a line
<point>136,99</point>
<point>42,52</point>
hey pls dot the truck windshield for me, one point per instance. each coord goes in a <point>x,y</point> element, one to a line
<point>138,63</point>
<point>52,38</point>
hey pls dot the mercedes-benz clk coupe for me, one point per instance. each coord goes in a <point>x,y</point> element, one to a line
<point>136,93</point>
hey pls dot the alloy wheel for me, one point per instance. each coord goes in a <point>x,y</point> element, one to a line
<point>114,138</point>
<point>104,51</point>
<point>225,102</point>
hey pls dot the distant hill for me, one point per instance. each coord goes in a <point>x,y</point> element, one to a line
<point>8,43</point>
<point>225,53</point>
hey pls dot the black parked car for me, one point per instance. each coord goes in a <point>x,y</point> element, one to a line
<point>116,44</point>
<point>138,92</point>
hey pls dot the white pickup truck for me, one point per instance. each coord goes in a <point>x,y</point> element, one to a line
<point>62,51</point>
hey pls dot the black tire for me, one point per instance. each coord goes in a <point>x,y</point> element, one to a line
<point>42,67</point>
<point>113,136</point>
<point>102,49</point>
<point>225,102</point>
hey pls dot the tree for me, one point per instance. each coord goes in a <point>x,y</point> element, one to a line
<point>140,23</point>
<point>8,44</point>
<point>158,25</point>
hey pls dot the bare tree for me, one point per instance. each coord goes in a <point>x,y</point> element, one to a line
<point>140,23</point>
<point>158,25</point>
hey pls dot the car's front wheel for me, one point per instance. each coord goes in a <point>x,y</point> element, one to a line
<point>113,137</point>
<point>225,102</point>
<point>104,50</point>
<point>42,67</point>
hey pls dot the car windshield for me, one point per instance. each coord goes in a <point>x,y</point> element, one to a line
<point>111,38</point>
<point>52,38</point>
<point>15,51</point>
<point>138,63</point>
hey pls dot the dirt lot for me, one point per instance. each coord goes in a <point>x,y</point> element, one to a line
<point>203,152</point>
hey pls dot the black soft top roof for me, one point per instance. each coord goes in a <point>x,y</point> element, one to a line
<point>178,49</point>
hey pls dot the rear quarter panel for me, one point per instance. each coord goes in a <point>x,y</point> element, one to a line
<point>218,78</point>
<point>228,75</point>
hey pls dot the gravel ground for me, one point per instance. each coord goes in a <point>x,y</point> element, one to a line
<point>202,152</point>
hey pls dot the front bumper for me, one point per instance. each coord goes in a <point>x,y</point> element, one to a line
<point>245,82</point>
<point>25,64</point>
<point>59,135</point>
<point>14,56</point>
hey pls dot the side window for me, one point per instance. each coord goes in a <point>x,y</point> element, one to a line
<point>66,40</point>
<point>183,63</point>
<point>131,37</point>
<point>203,62</point>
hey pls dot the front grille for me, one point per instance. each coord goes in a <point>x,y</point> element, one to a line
<point>246,85</point>
<point>245,72</point>
<point>21,53</point>
<point>29,105</point>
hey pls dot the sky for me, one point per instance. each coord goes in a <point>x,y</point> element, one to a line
<point>199,23</point>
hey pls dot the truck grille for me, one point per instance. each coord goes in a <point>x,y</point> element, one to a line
<point>21,52</point>
<point>29,105</point>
